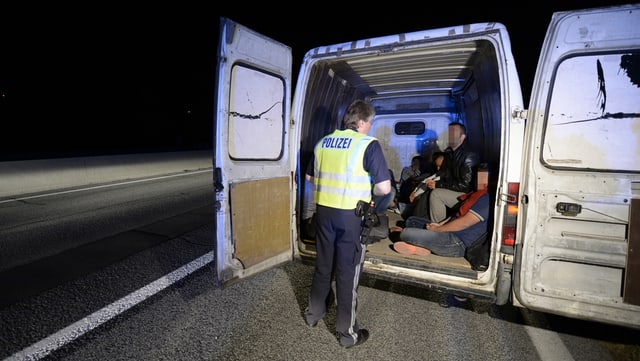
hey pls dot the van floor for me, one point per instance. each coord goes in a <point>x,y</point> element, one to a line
<point>383,251</point>
<point>385,248</point>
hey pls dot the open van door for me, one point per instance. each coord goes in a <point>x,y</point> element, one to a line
<point>579,227</point>
<point>252,177</point>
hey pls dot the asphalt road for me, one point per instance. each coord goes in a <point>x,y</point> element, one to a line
<point>261,319</point>
<point>162,302</point>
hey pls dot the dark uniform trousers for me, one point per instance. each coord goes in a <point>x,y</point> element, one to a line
<point>337,242</point>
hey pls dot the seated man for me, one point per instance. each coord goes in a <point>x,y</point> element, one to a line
<point>452,236</point>
<point>458,178</point>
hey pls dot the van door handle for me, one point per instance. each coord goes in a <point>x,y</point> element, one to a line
<point>568,209</point>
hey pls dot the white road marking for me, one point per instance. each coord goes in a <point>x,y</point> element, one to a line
<point>68,334</point>
<point>548,344</point>
<point>103,186</point>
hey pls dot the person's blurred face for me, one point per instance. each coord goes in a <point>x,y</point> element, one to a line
<point>415,163</point>
<point>438,161</point>
<point>483,180</point>
<point>455,136</point>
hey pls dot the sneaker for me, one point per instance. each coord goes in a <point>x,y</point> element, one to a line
<point>363,335</point>
<point>406,248</point>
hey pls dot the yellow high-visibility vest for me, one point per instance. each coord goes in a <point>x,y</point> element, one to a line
<point>339,176</point>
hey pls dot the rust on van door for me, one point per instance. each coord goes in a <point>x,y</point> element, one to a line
<point>632,272</point>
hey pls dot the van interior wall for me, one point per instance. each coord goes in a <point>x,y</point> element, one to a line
<point>327,97</point>
<point>482,109</point>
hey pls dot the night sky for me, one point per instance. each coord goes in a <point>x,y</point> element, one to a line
<point>115,80</point>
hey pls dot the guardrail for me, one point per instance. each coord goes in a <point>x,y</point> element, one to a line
<point>32,176</point>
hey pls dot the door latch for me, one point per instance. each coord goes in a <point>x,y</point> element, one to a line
<point>568,209</point>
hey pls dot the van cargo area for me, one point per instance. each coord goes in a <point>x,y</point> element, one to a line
<point>417,92</point>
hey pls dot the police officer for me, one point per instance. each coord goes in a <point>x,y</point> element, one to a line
<point>345,165</point>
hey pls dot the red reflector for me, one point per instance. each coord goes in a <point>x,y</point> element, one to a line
<point>509,242</point>
<point>512,190</point>
<point>510,215</point>
<point>508,235</point>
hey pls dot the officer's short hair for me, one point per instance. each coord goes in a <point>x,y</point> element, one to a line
<point>358,109</point>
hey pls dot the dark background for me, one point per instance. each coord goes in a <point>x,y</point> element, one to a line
<point>117,79</point>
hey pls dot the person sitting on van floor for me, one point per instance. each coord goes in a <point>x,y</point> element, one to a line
<point>421,188</point>
<point>411,171</point>
<point>452,236</point>
<point>458,178</point>
<point>388,201</point>
<point>408,180</point>
<point>392,198</point>
<point>418,205</point>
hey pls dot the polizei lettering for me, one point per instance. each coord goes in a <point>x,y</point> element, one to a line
<point>338,143</point>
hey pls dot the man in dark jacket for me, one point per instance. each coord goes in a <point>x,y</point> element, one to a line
<point>458,178</point>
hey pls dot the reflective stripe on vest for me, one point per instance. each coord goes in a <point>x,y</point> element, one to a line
<point>340,178</point>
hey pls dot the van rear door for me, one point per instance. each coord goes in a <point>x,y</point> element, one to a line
<point>252,176</point>
<point>579,223</point>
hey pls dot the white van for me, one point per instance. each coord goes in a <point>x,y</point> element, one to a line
<point>565,172</point>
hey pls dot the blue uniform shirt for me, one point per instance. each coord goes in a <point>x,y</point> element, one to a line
<point>481,210</point>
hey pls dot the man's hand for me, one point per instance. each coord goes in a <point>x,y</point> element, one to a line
<point>432,226</point>
<point>431,181</point>
<point>435,226</point>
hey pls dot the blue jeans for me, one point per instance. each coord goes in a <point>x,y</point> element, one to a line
<point>444,244</point>
<point>383,202</point>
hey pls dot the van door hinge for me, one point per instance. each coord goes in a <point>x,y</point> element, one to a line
<point>217,180</point>
<point>519,114</point>
<point>509,198</point>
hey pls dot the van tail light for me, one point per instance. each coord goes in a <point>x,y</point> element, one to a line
<point>510,215</point>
